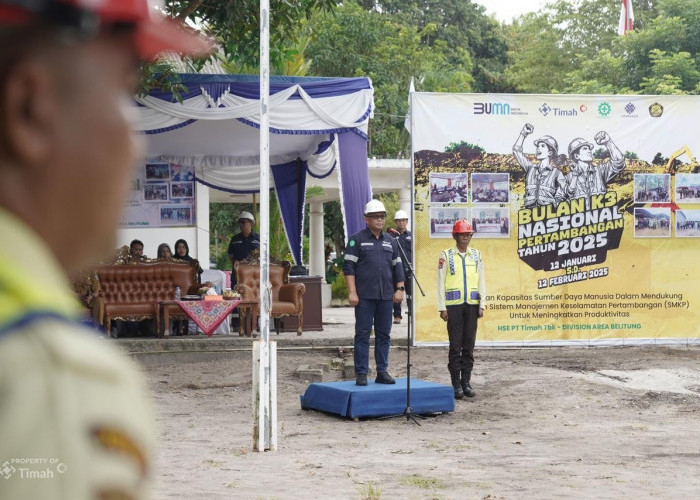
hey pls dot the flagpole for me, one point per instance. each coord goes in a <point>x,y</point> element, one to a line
<point>265,354</point>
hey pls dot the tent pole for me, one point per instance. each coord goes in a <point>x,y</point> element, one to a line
<point>264,354</point>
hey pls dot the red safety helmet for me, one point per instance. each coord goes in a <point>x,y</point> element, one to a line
<point>154,32</point>
<point>462,226</point>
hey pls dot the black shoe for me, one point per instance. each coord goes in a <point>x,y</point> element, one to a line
<point>466,386</point>
<point>468,391</point>
<point>459,393</point>
<point>361,379</point>
<point>384,378</point>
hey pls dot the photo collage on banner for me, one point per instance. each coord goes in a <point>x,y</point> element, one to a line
<point>161,195</point>
<point>586,210</point>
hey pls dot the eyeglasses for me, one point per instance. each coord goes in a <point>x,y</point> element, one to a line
<point>376,217</point>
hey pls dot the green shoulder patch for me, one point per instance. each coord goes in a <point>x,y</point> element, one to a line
<point>352,243</point>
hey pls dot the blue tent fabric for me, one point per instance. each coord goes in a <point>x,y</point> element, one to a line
<point>290,185</point>
<point>355,188</point>
<point>248,86</point>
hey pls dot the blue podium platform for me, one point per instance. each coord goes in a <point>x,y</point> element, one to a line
<point>377,400</point>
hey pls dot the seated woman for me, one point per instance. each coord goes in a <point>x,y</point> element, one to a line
<point>164,252</point>
<point>182,252</point>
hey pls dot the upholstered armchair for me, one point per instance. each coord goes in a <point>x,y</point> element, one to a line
<point>287,298</point>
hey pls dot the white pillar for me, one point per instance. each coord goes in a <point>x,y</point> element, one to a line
<point>317,251</point>
<point>405,202</point>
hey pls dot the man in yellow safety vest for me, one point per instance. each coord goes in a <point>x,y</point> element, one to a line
<point>461,290</point>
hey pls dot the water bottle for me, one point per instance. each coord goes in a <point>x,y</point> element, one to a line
<point>177,293</point>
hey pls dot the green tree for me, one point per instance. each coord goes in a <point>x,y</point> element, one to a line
<point>573,47</point>
<point>600,75</point>
<point>537,59</point>
<point>357,42</point>
<point>671,74</point>
<point>236,23</point>
<point>462,26</point>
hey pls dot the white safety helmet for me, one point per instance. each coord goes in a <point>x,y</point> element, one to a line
<point>400,214</point>
<point>248,216</point>
<point>374,206</point>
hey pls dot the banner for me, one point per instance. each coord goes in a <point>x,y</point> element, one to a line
<point>586,210</point>
<point>161,194</point>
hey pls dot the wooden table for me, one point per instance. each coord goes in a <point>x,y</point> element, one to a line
<point>248,313</point>
<point>207,314</point>
<point>168,309</point>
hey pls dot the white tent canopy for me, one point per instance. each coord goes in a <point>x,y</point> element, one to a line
<point>315,124</point>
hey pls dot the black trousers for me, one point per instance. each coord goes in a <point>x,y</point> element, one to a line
<point>461,328</point>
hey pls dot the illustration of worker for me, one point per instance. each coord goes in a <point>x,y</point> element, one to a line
<point>585,179</point>
<point>545,183</point>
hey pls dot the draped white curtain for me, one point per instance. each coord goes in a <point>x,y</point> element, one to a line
<point>286,114</point>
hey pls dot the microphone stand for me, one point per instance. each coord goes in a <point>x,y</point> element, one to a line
<point>409,302</point>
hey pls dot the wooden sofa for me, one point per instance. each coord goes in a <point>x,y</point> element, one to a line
<point>287,298</point>
<point>132,291</point>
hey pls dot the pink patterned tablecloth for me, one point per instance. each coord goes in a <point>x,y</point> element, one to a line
<point>208,314</point>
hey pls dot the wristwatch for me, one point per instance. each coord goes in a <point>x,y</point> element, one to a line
<point>400,288</point>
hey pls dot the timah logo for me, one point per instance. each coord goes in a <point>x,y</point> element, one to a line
<point>545,109</point>
<point>488,108</point>
<point>7,470</point>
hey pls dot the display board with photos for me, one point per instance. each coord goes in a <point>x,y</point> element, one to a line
<point>161,194</point>
<point>586,210</point>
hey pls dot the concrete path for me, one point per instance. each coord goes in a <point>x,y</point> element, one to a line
<point>338,331</point>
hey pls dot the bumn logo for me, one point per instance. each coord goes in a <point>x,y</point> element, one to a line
<point>487,108</point>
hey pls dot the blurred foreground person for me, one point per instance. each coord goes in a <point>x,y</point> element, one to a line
<point>461,290</point>
<point>75,422</point>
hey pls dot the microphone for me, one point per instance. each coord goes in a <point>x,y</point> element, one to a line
<point>394,231</point>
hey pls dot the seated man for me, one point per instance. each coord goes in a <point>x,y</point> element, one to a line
<point>136,250</point>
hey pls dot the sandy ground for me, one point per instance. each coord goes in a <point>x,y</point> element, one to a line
<point>546,423</point>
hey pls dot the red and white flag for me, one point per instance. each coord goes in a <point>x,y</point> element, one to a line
<point>626,18</point>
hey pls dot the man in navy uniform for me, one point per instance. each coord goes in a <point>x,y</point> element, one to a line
<point>243,243</point>
<point>404,238</point>
<point>375,279</point>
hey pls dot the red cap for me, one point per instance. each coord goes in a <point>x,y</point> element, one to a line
<point>462,226</point>
<point>154,32</point>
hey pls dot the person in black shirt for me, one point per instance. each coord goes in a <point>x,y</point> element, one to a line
<point>375,280</point>
<point>404,240</point>
<point>243,243</point>
<point>136,250</point>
